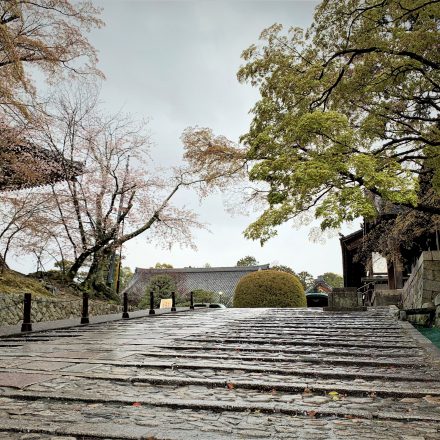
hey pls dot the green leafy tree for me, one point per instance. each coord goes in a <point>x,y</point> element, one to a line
<point>204,296</point>
<point>247,261</point>
<point>162,286</point>
<point>306,279</point>
<point>125,276</point>
<point>333,279</point>
<point>348,117</point>
<point>282,268</point>
<point>163,266</point>
<point>348,112</point>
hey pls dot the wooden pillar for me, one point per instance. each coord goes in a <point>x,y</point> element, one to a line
<point>398,273</point>
<point>391,275</point>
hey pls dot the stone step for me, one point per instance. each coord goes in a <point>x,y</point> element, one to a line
<point>287,361</point>
<point>133,368</point>
<point>341,336</point>
<point>372,404</point>
<point>312,332</point>
<point>250,356</point>
<point>128,422</point>
<point>258,382</point>
<point>354,351</point>
<point>197,398</point>
<point>299,341</point>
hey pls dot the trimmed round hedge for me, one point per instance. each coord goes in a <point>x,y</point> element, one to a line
<point>269,288</point>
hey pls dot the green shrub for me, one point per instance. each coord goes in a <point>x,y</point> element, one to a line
<point>162,286</point>
<point>269,288</point>
<point>204,296</point>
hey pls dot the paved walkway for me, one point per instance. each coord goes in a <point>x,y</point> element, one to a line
<point>9,330</point>
<point>223,374</point>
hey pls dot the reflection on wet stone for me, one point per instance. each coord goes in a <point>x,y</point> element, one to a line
<point>222,374</point>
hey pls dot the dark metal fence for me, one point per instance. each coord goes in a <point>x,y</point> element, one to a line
<point>30,310</point>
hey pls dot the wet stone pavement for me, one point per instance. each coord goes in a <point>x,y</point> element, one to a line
<point>222,374</point>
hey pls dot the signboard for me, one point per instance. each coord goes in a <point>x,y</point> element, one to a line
<point>166,303</point>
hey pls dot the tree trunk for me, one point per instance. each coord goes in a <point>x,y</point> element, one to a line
<point>3,264</point>
<point>96,280</point>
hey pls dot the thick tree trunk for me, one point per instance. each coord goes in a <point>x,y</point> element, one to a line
<point>96,280</point>
<point>3,264</point>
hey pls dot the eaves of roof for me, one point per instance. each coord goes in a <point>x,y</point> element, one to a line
<point>204,269</point>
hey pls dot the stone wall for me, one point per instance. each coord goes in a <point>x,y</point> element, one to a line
<point>345,298</point>
<point>424,283</point>
<point>387,297</point>
<point>44,309</point>
<point>422,290</point>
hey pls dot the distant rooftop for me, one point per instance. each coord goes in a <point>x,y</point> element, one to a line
<point>221,280</point>
<point>190,269</point>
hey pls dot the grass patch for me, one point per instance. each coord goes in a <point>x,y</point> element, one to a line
<point>12,282</point>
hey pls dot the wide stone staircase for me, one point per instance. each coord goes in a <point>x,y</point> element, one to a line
<point>223,374</point>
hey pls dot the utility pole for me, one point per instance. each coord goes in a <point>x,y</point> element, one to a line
<point>111,270</point>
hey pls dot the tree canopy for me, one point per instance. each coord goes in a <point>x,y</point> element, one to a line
<point>163,266</point>
<point>348,119</point>
<point>247,261</point>
<point>333,279</point>
<point>348,111</point>
<point>49,35</point>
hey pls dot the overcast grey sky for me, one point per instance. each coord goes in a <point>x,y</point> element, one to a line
<point>175,62</point>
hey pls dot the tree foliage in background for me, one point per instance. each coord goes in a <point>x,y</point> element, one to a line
<point>306,279</point>
<point>348,114</point>
<point>162,286</point>
<point>333,279</point>
<point>247,261</point>
<point>163,266</point>
<point>125,275</point>
<point>20,217</point>
<point>48,35</point>
<point>204,296</point>
<point>282,268</point>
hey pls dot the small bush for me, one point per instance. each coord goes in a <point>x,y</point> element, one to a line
<point>204,296</point>
<point>269,288</point>
<point>162,286</point>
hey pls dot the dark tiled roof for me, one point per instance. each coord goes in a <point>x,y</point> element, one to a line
<point>25,166</point>
<point>187,279</point>
<point>317,284</point>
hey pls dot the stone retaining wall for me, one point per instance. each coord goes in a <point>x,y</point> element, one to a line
<point>422,289</point>
<point>44,309</point>
<point>424,283</point>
